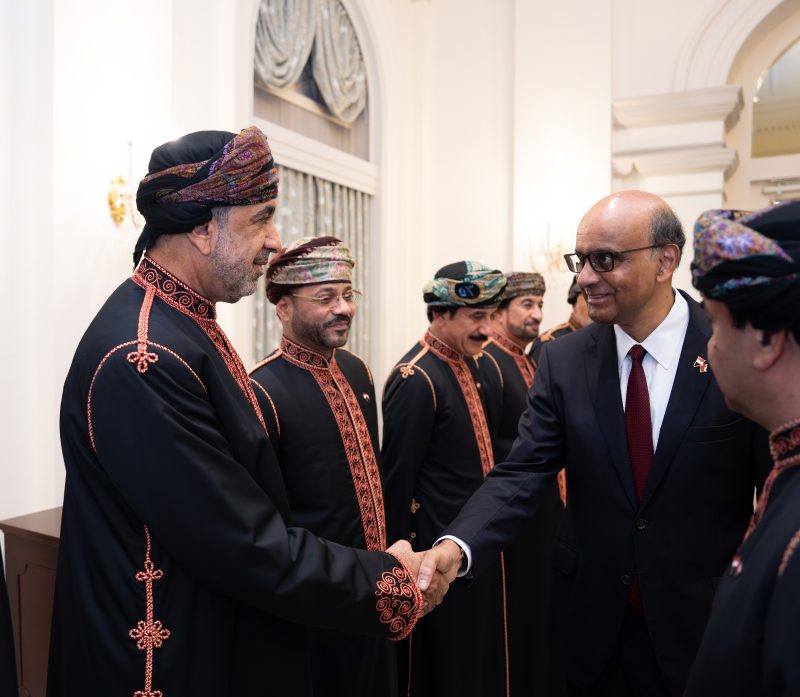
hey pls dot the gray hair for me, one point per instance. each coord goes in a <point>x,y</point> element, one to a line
<point>665,228</point>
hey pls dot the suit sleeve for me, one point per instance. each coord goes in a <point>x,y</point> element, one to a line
<point>157,437</point>
<point>509,497</point>
<point>408,418</point>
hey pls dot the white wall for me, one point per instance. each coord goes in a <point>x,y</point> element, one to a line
<point>27,349</point>
<point>562,132</point>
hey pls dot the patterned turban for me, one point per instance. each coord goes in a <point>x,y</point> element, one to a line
<point>465,284</point>
<point>751,261</point>
<point>307,261</point>
<point>193,174</point>
<point>523,283</point>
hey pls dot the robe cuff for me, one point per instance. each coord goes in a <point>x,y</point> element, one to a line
<point>400,601</point>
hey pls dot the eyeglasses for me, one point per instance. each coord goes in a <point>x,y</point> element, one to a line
<point>601,262</point>
<point>328,300</point>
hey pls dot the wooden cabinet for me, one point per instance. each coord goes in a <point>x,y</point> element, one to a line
<point>31,554</point>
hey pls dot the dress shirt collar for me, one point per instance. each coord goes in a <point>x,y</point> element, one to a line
<point>665,341</point>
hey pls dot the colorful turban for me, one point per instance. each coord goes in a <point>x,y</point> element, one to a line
<point>523,283</point>
<point>751,262</point>
<point>465,283</point>
<point>737,250</point>
<point>193,174</point>
<point>307,261</point>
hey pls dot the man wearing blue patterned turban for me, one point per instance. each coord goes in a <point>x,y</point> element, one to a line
<point>180,571</point>
<point>437,449</point>
<point>747,265</point>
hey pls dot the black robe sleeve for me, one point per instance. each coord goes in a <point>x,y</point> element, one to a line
<point>160,442</point>
<point>408,408</point>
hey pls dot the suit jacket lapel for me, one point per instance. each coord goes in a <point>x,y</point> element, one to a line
<point>602,373</point>
<point>687,391</point>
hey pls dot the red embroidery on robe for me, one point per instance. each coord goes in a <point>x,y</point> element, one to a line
<point>355,436</point>
<point>471,396</point>
<point>523,362</point>
<point>400,603</point>
<point>149,633</point>
<point>149,275</point>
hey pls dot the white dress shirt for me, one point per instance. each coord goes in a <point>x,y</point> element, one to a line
<point>660,366</point>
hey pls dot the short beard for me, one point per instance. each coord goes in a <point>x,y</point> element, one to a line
<point>235,275</point>
<point>518,331</point>
<point>317,333</point>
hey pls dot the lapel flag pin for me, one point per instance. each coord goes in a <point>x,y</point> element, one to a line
<point>701,363</point>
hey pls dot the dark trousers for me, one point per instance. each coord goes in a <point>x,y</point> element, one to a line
<point>633,669</point>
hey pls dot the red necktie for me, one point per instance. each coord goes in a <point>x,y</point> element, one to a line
<point>639,430</point>
<point>638,426</point>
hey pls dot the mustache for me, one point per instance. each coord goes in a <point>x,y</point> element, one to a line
<point>338,319</point>
<point>478,337</point>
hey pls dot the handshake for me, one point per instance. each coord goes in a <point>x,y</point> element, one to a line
<point>434,569</point>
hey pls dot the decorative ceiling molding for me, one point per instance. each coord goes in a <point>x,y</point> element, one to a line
<point>721,103</point>
<point>677,161</point>
<point>709,55</point>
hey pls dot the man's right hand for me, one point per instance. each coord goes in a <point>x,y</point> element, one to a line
<point>445,558</point>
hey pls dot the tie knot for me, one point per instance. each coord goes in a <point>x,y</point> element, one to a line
<point>637,353</point>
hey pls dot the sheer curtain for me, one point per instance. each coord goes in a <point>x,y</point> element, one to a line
<point>337,62</point>
<point>288,31</point>
<point>311,206</point>
<point>284,37</point>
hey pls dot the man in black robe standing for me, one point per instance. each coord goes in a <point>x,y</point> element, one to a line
<point>528,561</point>
<point>177,571</point>
<point>747,265</point>
<point>318,402</point>
<point>436,451</point>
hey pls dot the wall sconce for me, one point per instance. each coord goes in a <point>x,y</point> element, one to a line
<point>121,201</point>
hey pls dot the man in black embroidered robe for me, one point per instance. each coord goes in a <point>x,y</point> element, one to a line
<point>318,402</point>
<point>578,319</point>
<point>747,265</point>
<point>177,573</point>
<point>436,451</point>
<point>528,559</point>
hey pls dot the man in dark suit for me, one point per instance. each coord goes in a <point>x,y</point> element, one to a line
<point>660,473</point>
